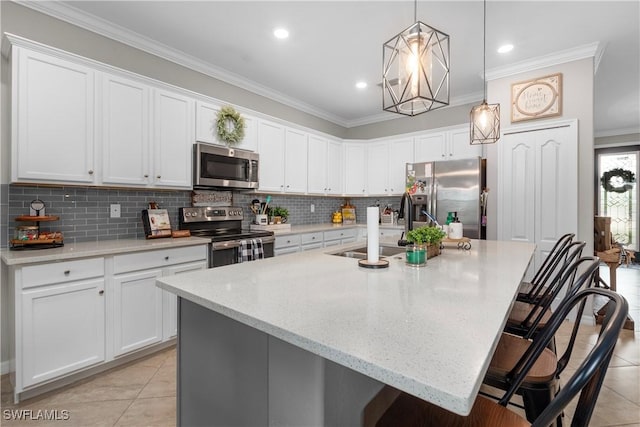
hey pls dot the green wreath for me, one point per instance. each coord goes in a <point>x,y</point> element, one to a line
<point>230,125</point>
<point>622,180</point>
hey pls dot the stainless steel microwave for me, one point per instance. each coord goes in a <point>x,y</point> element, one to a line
<point>215,166</point>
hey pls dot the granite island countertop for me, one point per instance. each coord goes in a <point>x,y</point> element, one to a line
<point>428,331</point>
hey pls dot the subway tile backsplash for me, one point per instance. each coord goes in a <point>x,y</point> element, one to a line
<point>84,211</point>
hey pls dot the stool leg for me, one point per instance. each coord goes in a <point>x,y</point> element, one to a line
<point>535,401</point>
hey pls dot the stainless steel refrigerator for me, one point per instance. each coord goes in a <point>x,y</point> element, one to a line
<point>438,188</point>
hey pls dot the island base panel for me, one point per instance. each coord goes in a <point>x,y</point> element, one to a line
<point>233,374</point>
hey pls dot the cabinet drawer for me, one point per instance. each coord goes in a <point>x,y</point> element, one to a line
<point>340,234</point>
<point>157,258</point>
<point>58,272</point>
<point>287,241</point>
<point>311,238</point>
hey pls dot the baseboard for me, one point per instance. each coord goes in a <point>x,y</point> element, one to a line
<point>5,367</point>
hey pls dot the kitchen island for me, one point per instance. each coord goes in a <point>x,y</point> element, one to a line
<point>310,338</point>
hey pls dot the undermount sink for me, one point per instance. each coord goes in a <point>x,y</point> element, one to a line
<point>361,253</point>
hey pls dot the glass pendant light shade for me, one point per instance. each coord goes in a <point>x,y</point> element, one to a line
<point>485,118</point>
<point>485,123</point>
<point>415,75</point>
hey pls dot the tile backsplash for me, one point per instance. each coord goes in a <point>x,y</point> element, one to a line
<point>84,211</point>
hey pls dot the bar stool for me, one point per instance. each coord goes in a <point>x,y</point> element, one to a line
<point>550,263</point>
<point>525,317</point>
<point>409,411</point>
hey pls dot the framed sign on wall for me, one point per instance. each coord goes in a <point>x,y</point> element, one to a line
<point>537,98</point>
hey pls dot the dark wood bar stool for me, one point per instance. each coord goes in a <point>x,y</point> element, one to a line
<point>409,411</point>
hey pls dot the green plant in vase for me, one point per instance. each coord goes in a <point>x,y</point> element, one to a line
<point>279,212</point>
<point>420,238</point>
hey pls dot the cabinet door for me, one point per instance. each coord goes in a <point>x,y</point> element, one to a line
<point>170,300</point>
<point>137,309</point>
<point>377,168</point>
<point>53,123</point>
<point>62,329</point>
<point>250,140</point>
<point>334,168</point>
<point>430,147</point>
<point>400,153</point>
<point>206,114</point>
<point>125,131</point>
<point>172,140</point>
<point>317,165</point>
<point>295,161</point>
<point>271,149</point>
<point>354,168</point>
<point>459,146</point>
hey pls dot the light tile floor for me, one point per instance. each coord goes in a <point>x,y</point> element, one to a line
<point>143,393</point>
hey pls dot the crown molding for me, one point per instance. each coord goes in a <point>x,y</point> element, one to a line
<point>616,132</point>
<point>107,29</point>
<point>592,50</point>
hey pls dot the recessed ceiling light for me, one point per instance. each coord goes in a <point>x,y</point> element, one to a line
<point>281,33</point>
<point>505,48</point>
<point>361,85</point>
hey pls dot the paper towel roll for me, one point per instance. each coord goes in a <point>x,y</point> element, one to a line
<point>373,234</point>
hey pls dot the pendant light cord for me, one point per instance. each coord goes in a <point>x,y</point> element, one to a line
<point>415,11</point>
<point>484,51</point>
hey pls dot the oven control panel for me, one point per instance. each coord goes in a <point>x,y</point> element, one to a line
<point>211,213</point>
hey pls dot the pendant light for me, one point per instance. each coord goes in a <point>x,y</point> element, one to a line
<point>485,118</point>
<point>415,70</point>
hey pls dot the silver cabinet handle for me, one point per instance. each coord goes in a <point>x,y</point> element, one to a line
<point>159,176</point>
<point>67,272</point>
<point>90,171</point>
<point>166,258</point>
<point>146,175</point>
<point>101,292</point>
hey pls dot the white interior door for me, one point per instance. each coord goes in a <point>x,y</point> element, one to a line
<point>538,185</point>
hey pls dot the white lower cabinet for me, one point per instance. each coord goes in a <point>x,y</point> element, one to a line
<point>340,237</point>
<point>62,329</point>
<point>143,313</point>
<point>286,244</point>
<point>137,309</point>
<point>72,315</point>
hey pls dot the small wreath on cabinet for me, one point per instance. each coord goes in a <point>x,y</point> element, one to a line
<point>618,180</point>
<point>230,125</point>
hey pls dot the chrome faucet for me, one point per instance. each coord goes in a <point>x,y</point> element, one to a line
<point>408,218</point>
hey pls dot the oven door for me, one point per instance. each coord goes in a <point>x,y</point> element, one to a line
<point>226,253</point>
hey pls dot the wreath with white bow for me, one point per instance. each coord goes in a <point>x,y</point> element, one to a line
<point>618,180</point>
<point>230,125</point>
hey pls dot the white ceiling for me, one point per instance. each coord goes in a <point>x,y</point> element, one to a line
<point>333,44</point>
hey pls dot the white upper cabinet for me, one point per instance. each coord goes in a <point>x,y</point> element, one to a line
<point>172,139</point>
<point>283,158</point>
<point>206,127</point>
<point>125,131</point>
<point>451,144</point>
<point>295,161</point>
<point>271,150</point>
<point>53,119</point>
<point>400,153</point>
<point>324,173</point>
<point>377,167</point>
<point>355,159</point>
<point>335,168</point>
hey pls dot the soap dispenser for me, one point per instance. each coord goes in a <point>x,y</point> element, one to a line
<point>455,228</point>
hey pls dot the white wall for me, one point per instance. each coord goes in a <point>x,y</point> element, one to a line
<point>578,101</point>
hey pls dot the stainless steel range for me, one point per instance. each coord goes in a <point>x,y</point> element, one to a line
<point>224,226</point>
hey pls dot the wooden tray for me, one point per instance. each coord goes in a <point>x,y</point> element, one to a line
<point>37,218</point>
<point>464,243</point>
<point>36,243</point>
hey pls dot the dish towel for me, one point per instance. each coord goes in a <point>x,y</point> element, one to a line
<point>250,250</point>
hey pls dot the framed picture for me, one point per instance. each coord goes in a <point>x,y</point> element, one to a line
<point>156,223</point>
<point>537,98</point>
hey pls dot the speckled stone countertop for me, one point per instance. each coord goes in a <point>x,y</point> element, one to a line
<point>92,249</point>
<point>311,228</point>
<point>428,331</point>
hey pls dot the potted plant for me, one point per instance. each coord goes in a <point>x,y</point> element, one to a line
<point>421,239</point>
<point>279,214</point>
